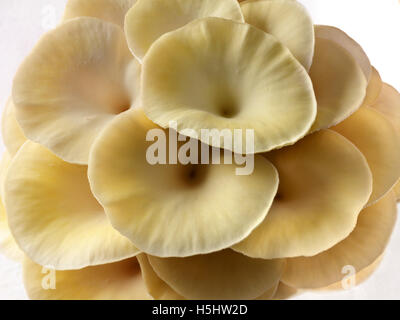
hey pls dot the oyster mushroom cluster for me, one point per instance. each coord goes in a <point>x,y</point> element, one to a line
<point>80,197</point>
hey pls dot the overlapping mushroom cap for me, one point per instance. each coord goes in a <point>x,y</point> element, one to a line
<point>82,202</point>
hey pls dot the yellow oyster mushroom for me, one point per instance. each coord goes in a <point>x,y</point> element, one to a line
<point>221,275</point>
<point>175,209</point>
<point>115,281</point>
<point>374,88</point>
<point>344,40</point>
<point>4,164</point>
<point>224,75</point>
<point>160,290</point>
<point>83,75</point>
<point>324,183</point>
<point>8,246</point>
<point>388,103</point>
<point>113,11</point>
<point>53,215</point>
<point>359,250</point>
<point>339,83</point>
<point>11,131</point>
<point>148,20</point>
<point>379,142</point>
<point>156,287</point>
<point>288,21</point>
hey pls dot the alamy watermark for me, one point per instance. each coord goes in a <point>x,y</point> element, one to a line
<point>187,147</point>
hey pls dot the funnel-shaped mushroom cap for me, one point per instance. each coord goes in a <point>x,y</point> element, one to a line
<point>175,209</point>
<point>11,132</point>
<point>148,20</point>
<point>360,249</point>
<point>341,38</point>
<point>374,88</point>
<point>113,11</point>
<point>220,74</point>
<point>115,281</point>
<point>379,142</point>
<point>8,246</point>
<point>339,83</point>
<point>325,182</point>
<point>388,103</point>
<point>160,290</point>
<point>288,21</point>
<point>54,216</point>
<point>222,275</point>
<point>83,74</point>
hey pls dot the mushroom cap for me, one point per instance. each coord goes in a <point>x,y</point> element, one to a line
<point>175,209</point>
<point>339,83</point>
<point>225,275</point>
<point>359,250</point>
<point>114,281</point>
<point>148,20</point>
<point>374,88</point>
<point>160,290</point>
<point>8,246</point>
<point>379,141</point>
<point>84,74</point>
<point>156,287</point>
<point>388,103</point>
<point>11,131</point>
<point>113,11</point>
<point>348,43</point>
<point>224,75</point>
<point>324,183</point>
<point>53,215</point>
<point>288,21</point>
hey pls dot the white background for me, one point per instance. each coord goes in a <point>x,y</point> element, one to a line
<point>375,24</point>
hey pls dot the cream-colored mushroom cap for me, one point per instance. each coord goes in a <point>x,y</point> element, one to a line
<point>160,290</point>
<point>148,20</point>
<point>379,142</point>
<point>288,21</point>
<point>360,249</point>
<point>374,88</point>
<point>220,74</point>
<point>115,281</point>
<point>156,287</point>
<point>339,83</point>
<point>388,103</point>
<point>113,11</point>
<point>324,183</point>
<point>83,74</point>
<point>8,246</point>
<point>175,209</point>
<point>344,40</point>
<point>11,131</point>
<point>54,216</point>
<point>222,275</point>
